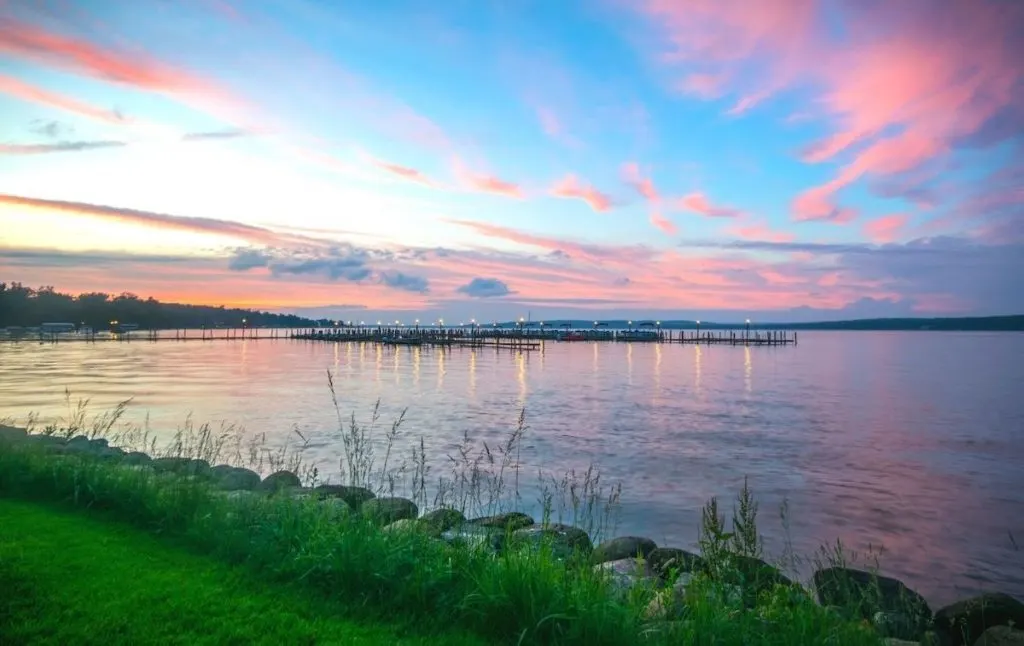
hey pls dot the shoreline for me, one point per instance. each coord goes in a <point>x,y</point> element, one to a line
<point>615,561</point>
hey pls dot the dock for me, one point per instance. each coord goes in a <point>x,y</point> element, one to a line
<point>464,337</point>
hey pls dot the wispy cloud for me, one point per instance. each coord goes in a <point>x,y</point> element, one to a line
<point>405,172</point>
<point>230,133</point>
<point>644,186</point>
<point>699,203</point>
<point>486,183</point>
<point>887,228</point>
<point>31,93</point>
<point>58,147</point>
<point>570,187</point>
<point>663,223</point>
<point>214,226</point>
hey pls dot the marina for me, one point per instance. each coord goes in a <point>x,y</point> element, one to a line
<point>515,338</point>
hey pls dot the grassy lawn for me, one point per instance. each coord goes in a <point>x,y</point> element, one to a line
<point>68,578</point>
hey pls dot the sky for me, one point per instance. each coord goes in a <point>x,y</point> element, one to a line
<point>780,160</point>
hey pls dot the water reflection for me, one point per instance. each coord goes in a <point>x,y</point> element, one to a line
<point>872,437</point>
<point>748,369</point>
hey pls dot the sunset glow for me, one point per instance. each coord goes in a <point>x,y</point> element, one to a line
<point>718,159</point>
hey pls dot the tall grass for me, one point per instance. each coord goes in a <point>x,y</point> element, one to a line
<point>519,595</point>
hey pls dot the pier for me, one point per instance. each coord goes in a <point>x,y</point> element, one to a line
<point>519,338</point>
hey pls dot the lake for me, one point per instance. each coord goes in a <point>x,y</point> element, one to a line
<point>909,442</point>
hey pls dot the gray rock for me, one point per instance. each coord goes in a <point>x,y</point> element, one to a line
<point>235,478</point>
<point>98,444</point>
<point>475,537</point>
<point>666,560</point>
<point>385,511</point>
<point>353,496</point>
<point>182,466</point>
<point>335,508</point>
<point>109,453</point>
<point>1001,636</point>
<point>280,480</point>
<point>905,613</point>
<point>625,574</point>
<point>440,520</point>
<point>565,541</point>
<point>78,444</point>
<point>624,547</point>
<point>135,458</point>
<point>964,621</point>
<point>403,525</point>
<point>510,521</point>
<point>669,602</point>
<point>10,434</point>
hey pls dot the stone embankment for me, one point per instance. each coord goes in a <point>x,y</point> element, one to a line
<point>899,613</point>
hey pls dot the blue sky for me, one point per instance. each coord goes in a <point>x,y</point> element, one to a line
<point>712,158</point>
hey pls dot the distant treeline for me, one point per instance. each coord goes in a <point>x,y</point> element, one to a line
<point>27,307</point>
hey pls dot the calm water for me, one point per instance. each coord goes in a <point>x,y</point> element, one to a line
<point>910,442</point>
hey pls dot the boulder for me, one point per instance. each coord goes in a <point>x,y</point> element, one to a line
<point>625,574</point>
<point>98,444</point>
<point>624,547</point>
<point>666,560</point>
<point>385,511</point>
<point>565,541</point>
<point>964,621</point>
<point>335,508</point>
<point>280,480</point>
<point>895,609</point>
<point>510,521</point>
<point>403,525</point>
<point>235,478</point>
<point>1001,636</point>
<point>10,434</point>
<point>669,602</point>
<point>353,496</point>
<point>109,453</point>
<point>475,537</point>
<point>78,444</point>
<point>182,466</point>
<point>441,520</point>
<point>133,458</point>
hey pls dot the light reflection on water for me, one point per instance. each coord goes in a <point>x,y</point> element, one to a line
<point>912,442</point>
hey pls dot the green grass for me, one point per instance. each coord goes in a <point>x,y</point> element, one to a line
<point>67,578</point>
<point>521,596</point>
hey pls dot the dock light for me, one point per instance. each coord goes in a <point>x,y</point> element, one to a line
<point>748,327</point>
<point>417,321</point>
<point>397,322</point>
<point>362,322</point>
<point>472,321</point>
<point>243,322</point>
<point>378,323</point>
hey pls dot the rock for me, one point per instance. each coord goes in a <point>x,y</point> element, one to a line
<point>565,540</point>
<point>624,547</point>
<point>48,443</point>
<point>10,434</point>
<point>510,521</point>
<point>384,511</point>
<point>625,574</point>
<point>669,602</point>
<point>964,621</point>
<point>280,480</point>
<point>441,520</point>
<point>353,496</point>
<point>235,478</point>
<point>474,537</point>
<point>336,508</point>
<point>135,458</point>
<point>904,613</point>
<point>1001,636</point>
<point>403,525</point>
<point>110,453</point>
<point>78,444</point>
<point>665,560</point>
<point>98,444</point>
<point>182,466</point>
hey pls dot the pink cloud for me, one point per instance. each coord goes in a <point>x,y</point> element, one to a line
<point>886,229</point>
<point>486,183</point>
<point>27,92</point>
<point>907,83</point>
<point>663,223</point>
<point>759,232</point>
<point>642,185</point>
<point>404,172</point>
<point>699,203</point>
<point>570,187</point>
